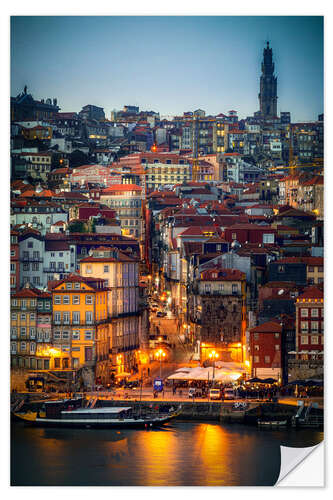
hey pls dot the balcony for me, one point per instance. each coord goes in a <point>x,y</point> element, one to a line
<point>31,259</point>
<point>77,323</point>
<point>59,270</point>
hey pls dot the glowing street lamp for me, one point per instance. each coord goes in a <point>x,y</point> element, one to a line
<point>160,354</point>
<point>213,355</point>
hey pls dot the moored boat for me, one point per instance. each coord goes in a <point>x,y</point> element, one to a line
<point>110,417</point>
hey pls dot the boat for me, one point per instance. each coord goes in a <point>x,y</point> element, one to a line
<point>106,417</point>
<point>272,424</point>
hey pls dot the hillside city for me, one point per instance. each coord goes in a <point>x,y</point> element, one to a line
<point>182,248</point>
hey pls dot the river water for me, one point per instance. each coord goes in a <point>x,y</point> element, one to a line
<point>180,454</point>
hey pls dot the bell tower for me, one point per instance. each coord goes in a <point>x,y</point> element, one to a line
<point>268,86</point>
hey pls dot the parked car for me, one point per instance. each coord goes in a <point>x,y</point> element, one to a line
<point>195,392</point>
<point>229,393</point>
<point>215,394</point>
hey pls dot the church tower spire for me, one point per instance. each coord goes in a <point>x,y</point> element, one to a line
<point>268,85</point>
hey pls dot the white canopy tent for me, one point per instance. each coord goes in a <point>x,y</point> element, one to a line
<point>225,374</point>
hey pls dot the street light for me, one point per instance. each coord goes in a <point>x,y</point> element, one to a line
<point>213,355</point>
<point>159,355</point>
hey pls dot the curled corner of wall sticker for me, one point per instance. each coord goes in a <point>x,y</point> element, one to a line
<point>302,466</point>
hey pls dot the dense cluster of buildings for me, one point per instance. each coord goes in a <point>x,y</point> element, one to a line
<point>225,214</point>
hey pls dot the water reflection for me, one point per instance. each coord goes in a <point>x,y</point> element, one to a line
<point>184,453</point>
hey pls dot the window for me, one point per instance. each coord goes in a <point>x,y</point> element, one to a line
<point>32,332</point>
<point>268,238</point>
<point>77,286</point>
<point>304,326</point>
<point>30,243</point>
<point>256,336</point>
<point>76,335</point>
<point>32,347</point>
<point>304,313</point>
<point>13,332</point>
<point>56,335</point>
<point>256,359</point>
<point>23,316</point>
<point>14,316</point>
<point>314,326</point>
<point>314,339</point>
<point>267,359</point>
<point>304,339</point>
<point>88,317</point>
<point>65,335</point>
<point>277,347</point>
<point>32,317</point>
<point>314,313</point>
<point>57,299</point>
<point>88,335</point>
<point>106,269</point>
<point>234,288</point>
<point>276,335</point>
<point>23,346</point>
<point>256,348</point>
<point>68,286</point>
<point>207,288</point>
<point>13,347</point>
<point>88,269</point>
<point>234,236</point>
<point>76,299</point>
<point>14,302</point>
<point>76,318</point>
<point>57,317</point>
<point>89,299</point>
<point>65,299</point>
<point>66,318</point>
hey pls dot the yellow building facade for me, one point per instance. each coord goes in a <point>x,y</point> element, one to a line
<point>80,310</point>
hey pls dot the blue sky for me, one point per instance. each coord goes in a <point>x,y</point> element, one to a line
<point>168,64</point>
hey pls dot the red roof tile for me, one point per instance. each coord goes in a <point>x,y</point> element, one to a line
<point>268,327</point>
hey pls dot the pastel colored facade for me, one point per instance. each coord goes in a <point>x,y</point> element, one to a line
<point>38,164</point>
<point>310,324</point>
<point>39,216</point>
<point>127,201</point>
<point>94,174</point>
<point>121,275</point>
<point>30,329</point>
<point>116,348</point>
<point>80,309</point>
<point>265,350</point>
<point>14,262</point>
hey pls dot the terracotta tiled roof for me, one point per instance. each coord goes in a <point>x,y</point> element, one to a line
<point>218,274</point>
<point>312,292</point>
<point>268,327</point>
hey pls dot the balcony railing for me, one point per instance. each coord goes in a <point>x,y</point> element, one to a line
<point>31,259</point>
<point>59,270</point>
<point>75,323</point>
